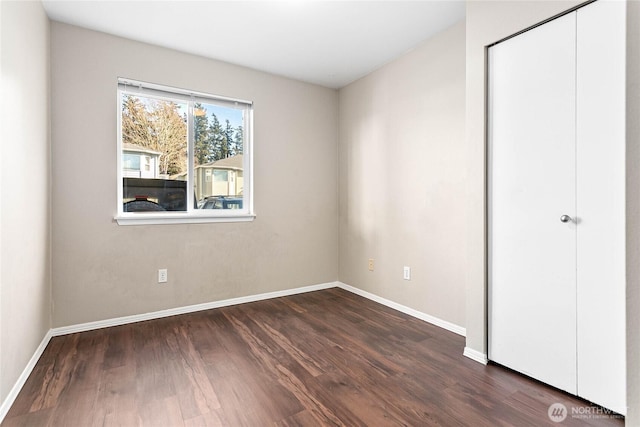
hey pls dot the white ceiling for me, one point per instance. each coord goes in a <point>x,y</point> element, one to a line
<point>330,43</point>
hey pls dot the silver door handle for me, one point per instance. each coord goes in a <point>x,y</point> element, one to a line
<point>565,218</point>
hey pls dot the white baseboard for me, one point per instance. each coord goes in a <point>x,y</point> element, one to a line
<point>64,330</point>
<point>406,310</point>
<point>13,393</point>
<point>475,355</point>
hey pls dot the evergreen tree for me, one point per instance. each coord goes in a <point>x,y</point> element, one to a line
<point>239,139</point>
<point>202,149</point>
<point>215,139</point>
<point>228,141</point>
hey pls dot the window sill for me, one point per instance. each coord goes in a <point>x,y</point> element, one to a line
<point>162,219</point>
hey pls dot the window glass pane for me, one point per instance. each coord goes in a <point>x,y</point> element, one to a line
<point>220,175</point>
<point>218,156</point>
<point>131,162</point>
<point>154,154</point>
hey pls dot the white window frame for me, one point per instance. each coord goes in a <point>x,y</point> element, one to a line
<point>191,215</point>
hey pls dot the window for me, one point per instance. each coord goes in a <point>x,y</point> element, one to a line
<point>220,175</point>
<point>180,150</point>
<point>131,162</point>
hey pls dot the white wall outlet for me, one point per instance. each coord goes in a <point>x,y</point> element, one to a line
<point>406,273</point>
<point>370,264</point>
<point>162,275</point>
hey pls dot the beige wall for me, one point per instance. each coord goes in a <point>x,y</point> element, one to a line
<point>402,179</point>
<point>102,270</point>
<point>24,184</point>
<point>488,22</point>
<point>633,214</point>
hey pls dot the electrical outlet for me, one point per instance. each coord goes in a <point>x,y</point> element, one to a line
<point>162,275</point>
<point>370,264</point>
<point>406,274</point>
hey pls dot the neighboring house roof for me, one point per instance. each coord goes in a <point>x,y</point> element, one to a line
<point>233,162</point>
<point>134,148</point>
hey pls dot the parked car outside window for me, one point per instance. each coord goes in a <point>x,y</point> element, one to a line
<point>221,202</point>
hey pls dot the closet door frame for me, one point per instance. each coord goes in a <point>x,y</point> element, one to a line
<point>601,238</point>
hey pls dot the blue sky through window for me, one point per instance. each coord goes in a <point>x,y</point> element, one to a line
<point>224,113</point>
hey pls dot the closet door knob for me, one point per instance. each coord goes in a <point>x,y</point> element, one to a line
<point>565,218</point>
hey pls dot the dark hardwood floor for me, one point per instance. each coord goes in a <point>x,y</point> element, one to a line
<point>315,359</point>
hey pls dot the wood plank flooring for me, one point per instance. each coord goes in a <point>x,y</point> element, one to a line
<point>321,358</point>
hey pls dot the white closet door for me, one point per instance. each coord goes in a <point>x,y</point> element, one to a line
<point>532,254</point>
<point>601,203</point>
